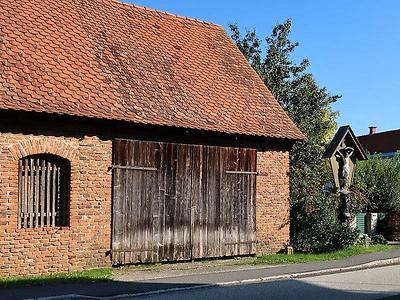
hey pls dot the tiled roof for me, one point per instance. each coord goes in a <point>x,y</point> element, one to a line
<point>382,142</point>
<point>109,60</point>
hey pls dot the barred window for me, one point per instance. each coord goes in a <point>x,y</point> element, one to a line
<point>44,182</point>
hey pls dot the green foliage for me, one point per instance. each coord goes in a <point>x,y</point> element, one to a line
<point>319,229</point>
<point>377,185</point>
<point>310,107</point>
<point>306,257</point>
<point>389,226</point>
<point>379,240</point>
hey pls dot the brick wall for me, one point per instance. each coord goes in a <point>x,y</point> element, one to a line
<point>43,250</point>
<point>272,211</point>
<point>85,243</point>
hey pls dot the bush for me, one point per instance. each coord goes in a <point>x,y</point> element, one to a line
<point>320,230</point>
<point>390,227</point>
<point>377,184</point>
<point>378,239</point>
<point>324,238</point>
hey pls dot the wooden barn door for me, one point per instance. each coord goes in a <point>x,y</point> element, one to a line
<point>151,213</point>
<point>176,202</point>
<point>223,202</point>
<point>238,201</point>
<point>135,202</point>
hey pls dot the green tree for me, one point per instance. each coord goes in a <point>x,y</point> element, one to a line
<point>308,105</point>
<point>377,184</point>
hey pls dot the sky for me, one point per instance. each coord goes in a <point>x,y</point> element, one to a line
<point>353,47</point>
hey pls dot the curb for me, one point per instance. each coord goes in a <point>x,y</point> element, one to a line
<point>369,265</point>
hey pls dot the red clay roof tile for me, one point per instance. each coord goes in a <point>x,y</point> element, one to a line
<point>381,142</point>
<point>106,59</point>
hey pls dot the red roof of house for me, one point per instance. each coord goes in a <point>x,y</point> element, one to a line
<point>110,60</point>
<point>383,142</point>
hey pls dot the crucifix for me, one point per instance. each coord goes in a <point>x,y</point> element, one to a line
<point>343,153</point>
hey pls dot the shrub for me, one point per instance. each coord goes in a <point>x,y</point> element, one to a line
<point>377,184</point>
<point>319,229</point>
<point>378,239</point>
<point>324,238</point>
<point>390,227</point>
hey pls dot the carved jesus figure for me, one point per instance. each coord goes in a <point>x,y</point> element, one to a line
<point>345,155</point>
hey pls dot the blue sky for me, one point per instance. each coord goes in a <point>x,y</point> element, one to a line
<point>353,47</point>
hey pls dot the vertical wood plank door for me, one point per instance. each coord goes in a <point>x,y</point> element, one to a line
<point>175,202</point>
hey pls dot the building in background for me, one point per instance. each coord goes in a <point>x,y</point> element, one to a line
<point>386,143</point>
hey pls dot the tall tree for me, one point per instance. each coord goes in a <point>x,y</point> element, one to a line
<point>308,104</point>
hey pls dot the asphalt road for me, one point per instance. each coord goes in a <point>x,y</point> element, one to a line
<point>377,283</point>
<point>205,277</point>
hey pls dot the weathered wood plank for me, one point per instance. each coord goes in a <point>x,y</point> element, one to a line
<point>54,195</point>
<point>156,205</point>
<point>221,192</point>
<point>241,243</point>
<point>162,199</point>
<point>211,200</point>
<point>186,195</point>
<point>58,197</point>
<point>48,193</point>
<point>31,192</point>
<point>177,238</point>
<point>21,194</point>
<point>129,204</point>
<point>170,200</point>
<point>136,168</point>
<point>253,202</point>
<point>120,152</point>
<point>26,193</point>
<point>151,199</point>
<point>42,191</point>
<point>196,201</point>
<point>147,200</point>
<point>226,205</point>
<point>241,172</point>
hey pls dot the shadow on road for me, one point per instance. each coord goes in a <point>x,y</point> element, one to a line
<point>284,289</point>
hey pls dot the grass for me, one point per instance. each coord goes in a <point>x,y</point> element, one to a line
<point>302,258</point>
<point>83,276</point>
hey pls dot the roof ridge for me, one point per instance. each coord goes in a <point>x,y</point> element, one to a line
<point>162,12</point>
<point>380,133</point>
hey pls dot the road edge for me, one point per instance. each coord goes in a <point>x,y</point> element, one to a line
<point>369,265</point>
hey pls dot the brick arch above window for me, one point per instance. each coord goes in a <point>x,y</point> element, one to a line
<point>42,146</point>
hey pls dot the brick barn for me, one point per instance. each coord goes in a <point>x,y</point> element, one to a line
<point>132,135</point>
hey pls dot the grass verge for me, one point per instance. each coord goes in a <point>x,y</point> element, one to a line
<point>83,276</point>
<point>302,258</point>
